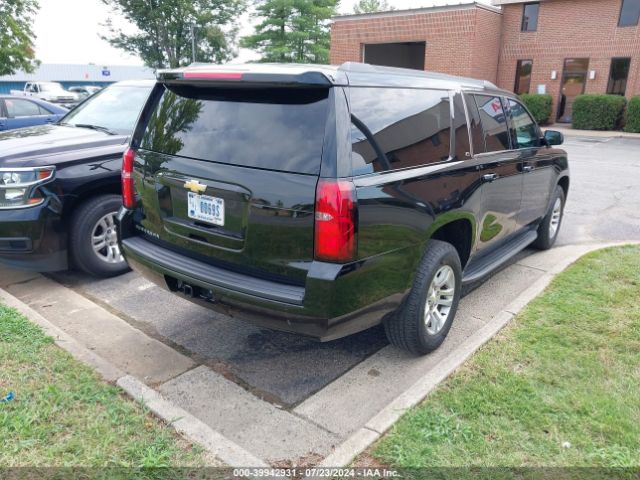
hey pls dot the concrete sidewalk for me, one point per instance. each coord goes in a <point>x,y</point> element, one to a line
<point>243,429</point>
<point>567,131</point>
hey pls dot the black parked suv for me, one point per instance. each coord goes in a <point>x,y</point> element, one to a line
<point>60,185</point>
<point>325,200</point>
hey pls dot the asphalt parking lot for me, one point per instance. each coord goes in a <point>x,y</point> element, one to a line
<point>229,373</point>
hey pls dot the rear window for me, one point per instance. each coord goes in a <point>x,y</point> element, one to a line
<point>275,129</point>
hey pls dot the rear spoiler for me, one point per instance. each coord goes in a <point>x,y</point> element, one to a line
<point>245,79</point>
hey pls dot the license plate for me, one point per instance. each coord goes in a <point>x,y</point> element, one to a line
<point>206,209</point>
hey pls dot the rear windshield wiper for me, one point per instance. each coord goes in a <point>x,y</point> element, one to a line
<point>94,127</point>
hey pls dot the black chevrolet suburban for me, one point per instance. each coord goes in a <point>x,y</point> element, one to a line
<point>326,200</point>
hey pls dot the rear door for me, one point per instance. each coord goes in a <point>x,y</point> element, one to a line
<point>501,168</point>
<point>228,175</point>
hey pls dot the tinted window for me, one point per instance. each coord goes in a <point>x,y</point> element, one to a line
<point>21,108</point>
<point>525,130</point>
<point>494,123</point>
<point>629,13</point>
<point>523,76</point>
<point>115,108</point>
<point>530,17</point>
<point>276,129</point>
<point>618,76</point>
<point>397,128</point>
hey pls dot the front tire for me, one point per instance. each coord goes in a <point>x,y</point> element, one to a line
<point>93,238</point>
<point>550,226</point>
<point>423,321</point>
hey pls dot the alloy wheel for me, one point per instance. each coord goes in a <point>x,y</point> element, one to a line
<point>556,216</point>
<point>439,300</point>
<point>104,239</point>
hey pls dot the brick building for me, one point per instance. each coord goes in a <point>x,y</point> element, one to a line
<point>560,47</point>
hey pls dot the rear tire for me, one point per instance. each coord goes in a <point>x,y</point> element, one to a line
<point>93,240</point>
<point>423,321</point>
<point>550,226</point>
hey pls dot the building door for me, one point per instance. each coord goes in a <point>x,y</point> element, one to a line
<point>403,55</point>
<point>574,80</point>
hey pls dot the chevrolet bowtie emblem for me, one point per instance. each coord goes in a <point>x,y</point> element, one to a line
<point>195,186</point>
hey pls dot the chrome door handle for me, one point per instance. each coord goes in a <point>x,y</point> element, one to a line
<point>490,177</point>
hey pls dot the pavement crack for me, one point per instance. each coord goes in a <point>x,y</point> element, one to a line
<point>23,282</point>
<point>372,430</point>
<point>157,385</point>
<point>306,419</point>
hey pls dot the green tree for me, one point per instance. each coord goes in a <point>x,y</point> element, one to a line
<point>16,36</point>
<point>292,30</point>
<point>372,6</point>
<point>166,29</point>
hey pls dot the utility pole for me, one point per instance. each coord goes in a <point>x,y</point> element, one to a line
<point>193,42</point>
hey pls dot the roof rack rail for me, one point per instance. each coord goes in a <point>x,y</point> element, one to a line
<point>356,67</point>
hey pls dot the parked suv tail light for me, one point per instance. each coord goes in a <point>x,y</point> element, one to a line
<point>335,221</point>
<point>128,190</point>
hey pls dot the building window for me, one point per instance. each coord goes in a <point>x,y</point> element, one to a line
<point>530,17</point>
<point>629,13</point>
<point>618,76</point>
<point>523,76</point>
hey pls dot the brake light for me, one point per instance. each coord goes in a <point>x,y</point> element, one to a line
<point>213,75</point>
<point>335,221</point>
<point>128,191</point>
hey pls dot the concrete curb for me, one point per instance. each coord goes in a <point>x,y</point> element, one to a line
<point>107,370</point>
<point>189,426</point>
<point>186,424</point>
<point>373,430</point>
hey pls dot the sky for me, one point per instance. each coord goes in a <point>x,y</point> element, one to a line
<point>67,31</point>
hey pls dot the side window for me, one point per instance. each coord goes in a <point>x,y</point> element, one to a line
<point>524,129</point>
<point>21,108</point>
<point>394,128</point>
<point>494,123</point>
<point>44,111</point>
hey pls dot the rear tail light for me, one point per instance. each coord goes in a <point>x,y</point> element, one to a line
<point>335,221</point>
<point>128,190</point>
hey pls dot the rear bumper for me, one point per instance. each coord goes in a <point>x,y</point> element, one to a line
<point>304,310</point>
<point>32,239</point>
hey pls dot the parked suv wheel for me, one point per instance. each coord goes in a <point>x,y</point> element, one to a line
<point>93,242</point>
<point>423,321</point>
<point>550,226</point>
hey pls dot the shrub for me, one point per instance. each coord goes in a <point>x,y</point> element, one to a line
<point>633,116</point>
<point>598,112</point>
<point>539,105</point>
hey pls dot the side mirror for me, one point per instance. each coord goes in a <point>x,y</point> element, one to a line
<point>552,137</point>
